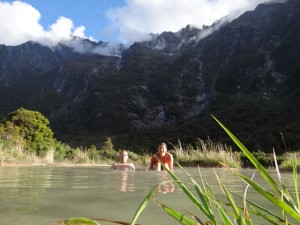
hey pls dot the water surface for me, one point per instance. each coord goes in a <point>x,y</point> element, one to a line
<point>45,195</point>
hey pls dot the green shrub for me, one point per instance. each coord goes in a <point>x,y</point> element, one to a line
<point>290,159</point>
<point>93,154</point>
<point>32,126</point>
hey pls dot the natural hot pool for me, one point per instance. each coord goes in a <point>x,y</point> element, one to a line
<point>41,195</point>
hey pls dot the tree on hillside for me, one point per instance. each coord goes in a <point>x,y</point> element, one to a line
<point>107,145</point>
<point>33,127</point>
<point>8,132</point>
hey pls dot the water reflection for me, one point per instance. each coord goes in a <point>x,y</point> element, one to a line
<point>123,183</point>
<point>166,185</point>
<point>127,181</point>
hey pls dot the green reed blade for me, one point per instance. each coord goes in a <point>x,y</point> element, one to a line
<point>224,216</point>
<point>177,215</point>
<point>233,205</point>
<point>207,192</point>
<point>198,219</point>
<point>189,194</point>
<point>246,212</point>
<point>221,210</point>
<point>254,161</point>
<point>268,195</point>
<point>113,221</point>
<point>285,191</point>
<point>202,195</point>
<point>79,221</point>
<point>254,211</point>
<point>143,205</point>
<point>296,184</point>
<point>271,219</point>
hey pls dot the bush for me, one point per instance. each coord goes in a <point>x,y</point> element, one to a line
<point>32,126</point>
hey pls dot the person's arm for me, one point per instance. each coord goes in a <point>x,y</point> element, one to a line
<point>131,166</point>
<point>171,161</point>
<point>113,166</point>
<point>152,162</point>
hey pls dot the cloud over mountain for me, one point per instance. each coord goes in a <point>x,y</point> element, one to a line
<point>137,18</point>
<point>20,22</point>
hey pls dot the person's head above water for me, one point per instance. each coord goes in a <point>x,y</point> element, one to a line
<point>122,164</point>
<point>123,156</point>
<point>162,149</point>
<point>161,157</point>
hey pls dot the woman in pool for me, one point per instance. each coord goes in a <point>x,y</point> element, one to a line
<point>122,164</point>
<point>161,156</point>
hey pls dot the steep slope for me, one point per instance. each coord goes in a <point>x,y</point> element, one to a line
<point>246,73</point>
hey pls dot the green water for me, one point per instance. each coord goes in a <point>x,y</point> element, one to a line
<point>44,195</point>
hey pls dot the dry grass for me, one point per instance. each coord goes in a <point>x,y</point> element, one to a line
<point>206,154</point>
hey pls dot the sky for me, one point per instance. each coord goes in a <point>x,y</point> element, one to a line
<point>117,21</point>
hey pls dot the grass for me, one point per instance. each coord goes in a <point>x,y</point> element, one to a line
<point>206,154</point>
<point>14,153</point>
<point>290,159</point>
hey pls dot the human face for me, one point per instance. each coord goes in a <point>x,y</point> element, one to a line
<point>162,150</point>
<point>123,156</point>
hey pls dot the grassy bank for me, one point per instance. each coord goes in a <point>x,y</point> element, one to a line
<point>206,154</point>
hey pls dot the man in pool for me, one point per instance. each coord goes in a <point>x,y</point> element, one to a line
<point>162,156</point>
<point>122,164</point>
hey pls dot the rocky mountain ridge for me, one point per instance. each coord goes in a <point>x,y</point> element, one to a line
<point>245,71</point>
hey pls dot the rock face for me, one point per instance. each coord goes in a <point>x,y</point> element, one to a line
<point>172,78</point>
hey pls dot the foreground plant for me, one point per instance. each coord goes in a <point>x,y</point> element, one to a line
<point>280,197</point>
<point>78,221</point>
<point>230,212</point>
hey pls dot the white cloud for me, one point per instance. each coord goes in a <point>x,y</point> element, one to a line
<point>140,17</point>
<point>19,22</point>
<point>15,21</point>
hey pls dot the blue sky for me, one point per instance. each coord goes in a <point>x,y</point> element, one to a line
<point>89,13</point>
<point>126,21</point>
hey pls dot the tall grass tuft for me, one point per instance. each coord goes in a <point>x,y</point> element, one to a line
<point>13,152</point>
<point>206,154</point>
<point>290,159</point>
<point>81,156</point>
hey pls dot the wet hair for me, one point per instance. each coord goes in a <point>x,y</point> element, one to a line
<point>162,143</point>
<point>123,151</point>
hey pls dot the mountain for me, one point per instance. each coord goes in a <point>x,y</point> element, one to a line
<point>245,72</point>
